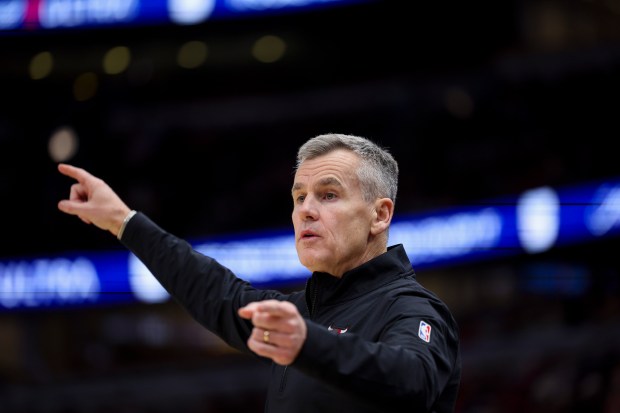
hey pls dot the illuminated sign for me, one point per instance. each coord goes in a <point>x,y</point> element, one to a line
<point>535,221</point>
<point>538,219</point>
<point>76,13</point>
<point>190,11</point>
<point>261,260</point>
<point>12,14</point>
<point>453,234</point>
<point>603,214</point>
<point>45,282</point>
<point>17,15</point>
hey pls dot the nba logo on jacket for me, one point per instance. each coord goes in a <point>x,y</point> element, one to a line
<point>424,332</point>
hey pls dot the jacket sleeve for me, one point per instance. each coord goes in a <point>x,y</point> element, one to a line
<point>396,370</point>
<point>210,292</point>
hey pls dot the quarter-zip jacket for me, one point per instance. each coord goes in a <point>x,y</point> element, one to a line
<point>377,340</point>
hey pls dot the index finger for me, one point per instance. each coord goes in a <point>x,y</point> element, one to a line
<point>78,174</point>
<point>276,308</point>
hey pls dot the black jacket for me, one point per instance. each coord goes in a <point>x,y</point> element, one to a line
<point>377,340</point>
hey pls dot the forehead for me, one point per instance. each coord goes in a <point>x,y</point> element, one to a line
<point>340,164</point>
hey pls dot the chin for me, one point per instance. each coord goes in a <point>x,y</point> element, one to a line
<point>311,262</point>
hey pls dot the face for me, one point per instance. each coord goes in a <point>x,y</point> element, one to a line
<point>333,223</point>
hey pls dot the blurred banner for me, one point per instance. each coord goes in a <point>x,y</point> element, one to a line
<point>31,15</point>
<point>533,222</point>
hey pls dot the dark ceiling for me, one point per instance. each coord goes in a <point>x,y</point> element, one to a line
<point>475,99</point>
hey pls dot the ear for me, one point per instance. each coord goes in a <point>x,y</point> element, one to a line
<point>382,215</point>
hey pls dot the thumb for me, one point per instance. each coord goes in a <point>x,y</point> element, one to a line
<point>68,207</point>
<point>72,208</point>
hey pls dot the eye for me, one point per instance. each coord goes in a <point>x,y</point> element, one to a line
<point>330,196</point>
<point>300,199</point>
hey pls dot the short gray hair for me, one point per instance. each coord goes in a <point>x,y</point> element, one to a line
<point>378,170</point>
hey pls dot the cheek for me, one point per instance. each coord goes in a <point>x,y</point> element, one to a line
<point>357,229</point>
<point>346,230</point>
<point>296,220</point>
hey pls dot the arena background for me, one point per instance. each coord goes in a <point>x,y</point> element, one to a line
<point>476,100</point>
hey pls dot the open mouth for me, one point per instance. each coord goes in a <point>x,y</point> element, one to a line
<point>307,235</point>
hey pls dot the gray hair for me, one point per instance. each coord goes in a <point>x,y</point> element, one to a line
<point>378,170</point>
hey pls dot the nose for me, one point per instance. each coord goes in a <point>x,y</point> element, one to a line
<point>308,210</point>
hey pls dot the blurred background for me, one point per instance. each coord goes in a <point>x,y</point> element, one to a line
<point>195,119</point>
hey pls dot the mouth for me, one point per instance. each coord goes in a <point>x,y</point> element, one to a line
<point>307,234</point>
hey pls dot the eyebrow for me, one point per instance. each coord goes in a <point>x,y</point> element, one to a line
<point>330,181</point>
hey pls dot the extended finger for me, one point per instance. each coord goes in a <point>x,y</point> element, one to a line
<point>71,171</point>
<point>272,322</point>
<point>247,311</point>
<point>276,308</point>
<point>267,307</point>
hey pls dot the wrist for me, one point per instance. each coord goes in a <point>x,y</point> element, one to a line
<point>126,219</point>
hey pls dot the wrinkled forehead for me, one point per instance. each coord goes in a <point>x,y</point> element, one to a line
<point>338,163</point>
<point>336,170</point>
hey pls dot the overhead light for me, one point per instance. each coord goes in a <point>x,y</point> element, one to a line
<point>192,54</point>
<point>269,49</point>
<point>41,65</point>
<point>85,86</point>
<point>116,60</point>
<point>63,144</point>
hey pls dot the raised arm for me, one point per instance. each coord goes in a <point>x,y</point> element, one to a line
<point>93,201</point>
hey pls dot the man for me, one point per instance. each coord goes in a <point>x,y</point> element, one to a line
<point>363,336</point>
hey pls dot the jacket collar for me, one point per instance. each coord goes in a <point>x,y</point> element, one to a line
<point>325,288</point>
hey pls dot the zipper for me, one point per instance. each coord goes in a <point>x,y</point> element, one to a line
<point>282,380</point>
<point>315,295</point>
<point>305,299</point>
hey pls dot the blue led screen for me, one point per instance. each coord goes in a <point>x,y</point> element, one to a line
<point>533,222</point>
